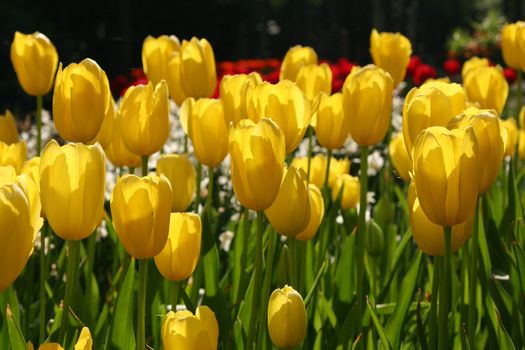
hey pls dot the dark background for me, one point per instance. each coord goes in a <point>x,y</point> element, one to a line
<point>111,32</point>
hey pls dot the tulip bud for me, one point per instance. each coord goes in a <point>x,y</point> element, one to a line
<point>509,46</point>
<point>296,57</point>
<point>429,237</point>
<point>351,189</point>
<point>207,129</point>
<point>233,90</point>
<point>180,255</point>
<point>316,213</point>
<point>488,87</point>
<point>290,212</point>
<point>179,170</point>
<point>257,154</point>
<point>14,154</point>
<point>35,61</point>
<point>144,118</point>
<point>84,342</point>
<point>374,239</point>
<point>391,52</point>
<point>367,102</point>
<point>287,320</point>
<point>509,134</point>
<point>8,132</point>
<point>332,125</point>
<point>72,186</point>
<point>445,171</point>
<point>399,157</point>
<point>156,53</point>
<point>116,151</point>
<point>313,79</point>
<point>432,104</point>
<point>141,213</point>
<point>473,64</point>
<point>182,330</point>
<point>81,100</point>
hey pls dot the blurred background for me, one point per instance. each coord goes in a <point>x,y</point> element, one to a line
<point>112,32</point>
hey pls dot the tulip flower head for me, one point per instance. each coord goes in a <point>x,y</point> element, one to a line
<point>316,213</point>
<point>509,133</point>
<point>350,187</point>
<point>287,320</point>
<point>313,79</point>
<point>509,44</point>
<point>181,173</point>
<point>233,91</point>
<point>182,330</point>
<point>295,58</point>
<point>13,154</point>
<point>8,132</point>
<point>399,156</point>
<point>488,87</point>
<point>473,64</point>
<point>391,52</point>
<point>332,125</point>
<point>156,54</point>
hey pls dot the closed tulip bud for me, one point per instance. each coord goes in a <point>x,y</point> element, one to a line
<point>432,104</point>
<point>430,237</point>
<point>233,90</point>
<point>105,133</point>
<point>257,154</point>
<point>31,190</point>
<point>207,129</point>
<point>509,133</point>
<point>182,330</point>
<point>191,72</point>
<point>8,132</point>
<point>367,101</point>
<point>350,187</point>
<point>181,174</point>
<point>180,255</point>
<point>285,104</point>
<point>313,79</point>
<point>81,100</point>
<point>391,52</point>
<point>488,87</point>
<point>374,239</point>
<point>287,320</point>
<point>473,64</point>
<point>156,53</point>
<point>289,214</point>
<point>445,171</point>
<point>509,46</point>
<point>487,128</point>
<point>399,157</point>
<point>141,213</point>
<point>117,152</point>
<point>14,154</point>
<point>332,125</point>
<point>35,61</point>
<point>144,118</point>
<point>316,213</point>
<point>296,57</point>
<point>72,188</point>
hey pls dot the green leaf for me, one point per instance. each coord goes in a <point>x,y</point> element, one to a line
<point>385,342</point>
<point>16,337</point>
<point>314,285</point>
<point>122,333</point>
<point>345,271</point>
<point>503,337</point>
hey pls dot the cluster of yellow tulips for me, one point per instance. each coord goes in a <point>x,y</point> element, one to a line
<point>450,150</point>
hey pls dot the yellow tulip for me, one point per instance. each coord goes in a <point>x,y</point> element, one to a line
<point>84,342</point>
<point>332,125</point>
<point>287,320</point>
<point>316,213</point>
<point>338,167</point>
<point>181,174</point>
<point>367,101</point>
<point>180,255</point>
<point>233,90</point>
<point>7,174</point>
<point>289,214</point>
<point>144,118</point>
<point>207,129</point>
<point>488,87</point>
<point>296,57</point>
<point>50,346</point>
<point>257,154</point>
<point>473,64</point>
<point>521,117</point>
<point>105,133</point>
<point>432,104</point>
<point>8,132</point>
<point>350,186</point>
<point>510,136</point>
<point>521,145</point>
<point>35,61</point>
<point>141,213</point>
<point>156,53</point>
<point>182,330</point>
<point>285,104</point>
<point>81,100</point>
<point>14,154</point>
<point>72,188</point>
<point>520,44</point>
<point>399,157</point>
<point>445,171</point>
<point>391,52</point>
<point>318,168</point>
<point>509,46</point>
<point>487,128</point>
<point>191,72</point>
<point>313,79</point>
<point>116,151</point>
<point>430,237</point>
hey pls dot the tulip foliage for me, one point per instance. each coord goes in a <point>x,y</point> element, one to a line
<point>284,214</point>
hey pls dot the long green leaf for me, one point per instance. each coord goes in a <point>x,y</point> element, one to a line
<point>16,337</point>
<point>122,333</point>
<point>385,342</point>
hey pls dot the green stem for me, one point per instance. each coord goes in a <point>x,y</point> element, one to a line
<point>92,240</point>
<point>310,132</point>
<point>473,271</point>
<point>292,262</point>
<point>43,277</point>
<point>256,297</point>
<point>144,165</point>
<point>361,233</point>
<point>326,176</point>
<point>141,311</point>
<point>39,103</point>
<point>185,144</point>
<point>198,188</point>
<point>444,293</point>
<point>131,170</point>
<point>174,295</point>
<point>71,284</point>
<point>436,275</point>
<point>209,198</point>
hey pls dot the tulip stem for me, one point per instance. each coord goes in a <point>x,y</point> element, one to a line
<point>209,197</point>
<point>198,188</point>
<point>438,264</point>
<point>363,179</point>
<point>473,270</point>
<point>326,176</point>
<point>444,293</point>
<point>292,262</point>
<point>144,165</point>
<point>42,292</point>
<point>71,284</point>
<point>38,115</point>
<point>256,296</point>
<point>141,311</point>
<point>174,295</point>
<point>310,132</point>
